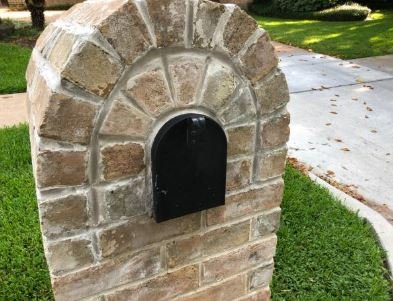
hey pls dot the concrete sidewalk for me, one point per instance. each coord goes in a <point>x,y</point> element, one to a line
<point>12,109</point>
<point>342,122</point>
<point>24,16</point>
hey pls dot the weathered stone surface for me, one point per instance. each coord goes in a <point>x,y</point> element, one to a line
<point>144,231</point>
<point>59,52</point>
<point>64,216</point>
<point>241,3</point>
<point>93,69</point>
<point>68,119</point>
<point>169,21</point>
<point>234,262</point>
<point>125,120</point>
<point>206,17</point>
<point>275,132</point>
<point>241,109</point>
<point>241,140</point>
<point>266,223</point>
<point>186,73</point>
<point>225,291</point>
<point>220,85</point>
<point>107,275</point>
<point>260,277</point>
<point>259,59</point>
<point>271,165</point>
<point>249,202</point>
<point>69,254</point>
<point>122,160</point>
<point>260,295</point>
<point>272,93</point>
<point>124,200</point>
<point>238,174</point>
<point>61,168</point>
<point>150,90</point>
<point>165,287</point>
<point>187,250</point>
<point>239,28</point>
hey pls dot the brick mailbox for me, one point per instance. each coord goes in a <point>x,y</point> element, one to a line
<point>158,133</point>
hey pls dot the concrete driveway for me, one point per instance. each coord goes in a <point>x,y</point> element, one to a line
<point>342,122</point>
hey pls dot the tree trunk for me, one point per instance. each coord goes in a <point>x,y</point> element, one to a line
<point>36,8</point>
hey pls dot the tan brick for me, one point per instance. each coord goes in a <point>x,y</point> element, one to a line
<point>107,275</point>
<point>150,90</point>
<point>69,254</point>
<point>144,231</point>
<point>64,216</point>
<point>67,119</point>
<point>261,295</point>
<point>186,250</point>
<point>238,174</point>
<point>272,93</point>
<point>237,261</point>
<point>241,140</point>
<point>59,48</point>
<point>93,69</point>
<point>271,165</point>
<point>239,28</point>
<point>260,277</point>
<point>275,132</point>
<point>220,85</point>
<point>125,120</point>
<point>265,224</point>
<point>122,160</point>
<point>225,291</point>
<point>259,59</point>
<point>186,73</point>
<point>165,287</point>
<point>206,17</point>
<point>245,203</point>
<point>169,20</point>
<point>61,168</point>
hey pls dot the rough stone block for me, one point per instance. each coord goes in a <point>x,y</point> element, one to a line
<point>93,69</point>
<point>144,231</point>
<point>64,216</point>
<point>270,165</point>
<point>237,261</point>
<point>186,73</point>
<point>238,174</point>
<point>61,168</point>
<point>266,224</point>
<point>187,250</point>
<point>260,295</point>
<point>68,119</point>
<point>161,288</point>
<point>150,90</point>
<point>124,119</point>
<point>272,93</point>
<point>122,160</point>
<point>241,140</point>
<point>58,53</point>
<point>169,20</point>
<point>225,291</point>
<point>206,17</point>
<point>248,202</point>
<point>260,277</point>
<point>259,59</point>
<point>107,275</point>
<point>66,255</point>
<point>275,132</point>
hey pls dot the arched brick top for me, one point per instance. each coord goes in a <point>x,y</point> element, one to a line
<point>103,79</point>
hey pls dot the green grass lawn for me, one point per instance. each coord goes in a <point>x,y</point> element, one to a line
<point>347,40</point>
<point>324,252</point>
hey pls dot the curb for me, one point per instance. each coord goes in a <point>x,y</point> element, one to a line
<point>382,228</point>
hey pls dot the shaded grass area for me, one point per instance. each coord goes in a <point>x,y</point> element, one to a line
<point>325,252</point>
<point>347,40</point>
<point>13,64</point>
<point>23,271</point>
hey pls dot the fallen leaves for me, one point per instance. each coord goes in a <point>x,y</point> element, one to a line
<point>369,109</point>
<point>345,149</point>
<point>334,113</point>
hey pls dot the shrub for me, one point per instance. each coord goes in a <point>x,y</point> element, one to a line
<point>377,4</point>
<point>305,5</point>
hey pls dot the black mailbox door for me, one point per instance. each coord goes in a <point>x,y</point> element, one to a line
<point>189,157</point>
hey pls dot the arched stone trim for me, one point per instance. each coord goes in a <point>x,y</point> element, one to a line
<point>102,81</point>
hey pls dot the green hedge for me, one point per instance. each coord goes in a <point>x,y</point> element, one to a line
<point>305,5</point>
<point>377,4</point>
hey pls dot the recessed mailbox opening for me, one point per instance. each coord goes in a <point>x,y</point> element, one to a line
<point>189,156</point>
